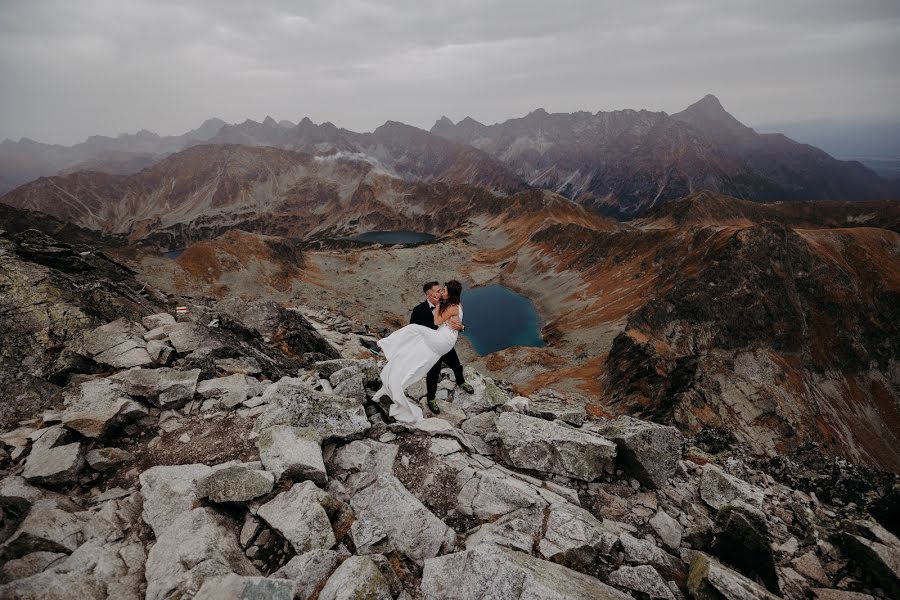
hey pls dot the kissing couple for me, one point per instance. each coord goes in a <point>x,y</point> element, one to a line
<point>418,350</point>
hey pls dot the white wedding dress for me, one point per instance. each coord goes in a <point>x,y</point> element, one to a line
<point>411,351</point>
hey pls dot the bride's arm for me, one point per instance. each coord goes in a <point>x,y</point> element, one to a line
<point>447,314</point>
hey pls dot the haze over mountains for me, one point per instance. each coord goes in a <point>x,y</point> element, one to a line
<point>618,163</point>
<point>873,142</point>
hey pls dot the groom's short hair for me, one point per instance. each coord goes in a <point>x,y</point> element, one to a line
<point>429,285</point>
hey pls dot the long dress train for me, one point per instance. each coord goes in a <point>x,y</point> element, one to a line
<point>411,351</point>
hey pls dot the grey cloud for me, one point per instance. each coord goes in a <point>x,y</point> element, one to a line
<point>71,69</point>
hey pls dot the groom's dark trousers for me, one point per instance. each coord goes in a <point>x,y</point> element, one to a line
<point>422,315</point>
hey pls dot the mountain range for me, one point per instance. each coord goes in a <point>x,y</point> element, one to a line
<point>618,163</point>
<point>623,162</point>
<point>201,192</point>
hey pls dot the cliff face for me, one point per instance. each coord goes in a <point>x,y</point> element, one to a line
<point>51,293</point>
<point>782,336</point>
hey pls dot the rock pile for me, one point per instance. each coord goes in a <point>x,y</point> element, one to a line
<point>212,473</point>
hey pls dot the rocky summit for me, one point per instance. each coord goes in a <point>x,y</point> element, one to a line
<point>210,457</point>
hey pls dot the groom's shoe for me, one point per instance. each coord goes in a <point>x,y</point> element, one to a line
<point>467,387</point>
<point>433,406</point>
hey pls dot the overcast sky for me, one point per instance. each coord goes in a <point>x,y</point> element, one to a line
<point>72,68</point>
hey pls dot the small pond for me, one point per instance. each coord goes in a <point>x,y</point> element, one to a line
<point>173,254</point>
<point>392,237</point>
<point>496,318</point>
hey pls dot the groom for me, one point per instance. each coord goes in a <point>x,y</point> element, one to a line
<point>423,314</point>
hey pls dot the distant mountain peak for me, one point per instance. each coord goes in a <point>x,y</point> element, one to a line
<point>471,121</point>
<point>270,122</point>
<point>538,112</point>
<point>442,126</point>
<point>708,115</point>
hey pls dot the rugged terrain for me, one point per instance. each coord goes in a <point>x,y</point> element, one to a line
<point>201,192</point>
<point>777,321</point>
<point>232,454</point>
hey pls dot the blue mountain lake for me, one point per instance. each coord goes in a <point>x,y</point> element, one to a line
<point>392,237</point>
<point>496,318</point>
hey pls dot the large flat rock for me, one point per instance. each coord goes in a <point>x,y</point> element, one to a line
<point>648,451</point>
<point>489,571</point>
<point>197,545</point>
<point>54,466</point>
<point>119,344</point>
<point>358,578</point>
<point>389,517</point>
<point>292,453</point>
<point>299,516</point>
<point>293,403</point>
<point>164,387</point>
<point>237,587</point>
<point>551,447</point>
<point>168,491</point>
<point>718,488</point>
<point>709,580</point>
<point>95,406</point>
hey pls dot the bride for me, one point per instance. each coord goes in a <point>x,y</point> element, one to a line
<point>412,350</point>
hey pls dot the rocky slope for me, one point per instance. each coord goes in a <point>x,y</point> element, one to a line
<point>203,191</point>
<point>227,471</point>
<point>709,209</point>
<point>782,334</point>
<point>53,292</point>
<point>624,162</point>
<point>775,321</point>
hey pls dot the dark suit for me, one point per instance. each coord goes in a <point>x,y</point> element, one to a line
<point>423,315</point>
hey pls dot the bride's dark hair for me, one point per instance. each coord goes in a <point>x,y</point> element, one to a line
<point>454,292</point>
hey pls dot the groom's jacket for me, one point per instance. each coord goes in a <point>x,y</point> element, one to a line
<point>422,315</point>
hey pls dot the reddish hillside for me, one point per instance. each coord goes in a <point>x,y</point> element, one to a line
<point>206,190</point>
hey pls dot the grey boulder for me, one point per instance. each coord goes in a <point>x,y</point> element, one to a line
<point>648,451</point>
<point>119,344</point>
<point>158,320</point>
<point>54,466</point>
<point>292,402</point>
<point>300,517</point>
<point>169,491</point>
<point>44,529</point>
<point>389,517</point>
<point>237,587</point>
<point>643,579</point>
<point>197,544</point>
<point>551,447</point>
<point>309,571</point>
<point>104,459</point>
<point>358,578</point>
<point>166,388</point>
<point>489,571</point>
<point>709,580</point>
<point>96,406</point>
<point>718,488</point>
<point>292,453</point>
<point>877,551</point>
<point>229,391</point>
<point>234,483</point>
